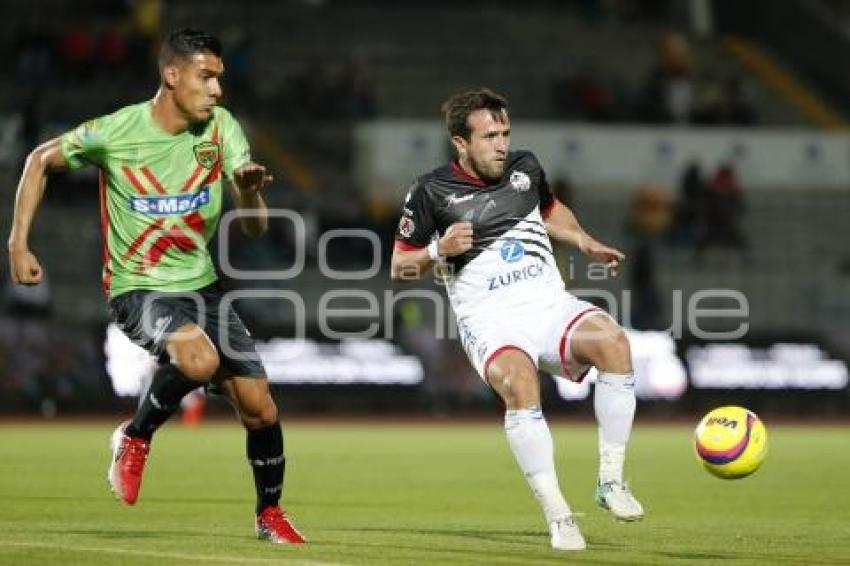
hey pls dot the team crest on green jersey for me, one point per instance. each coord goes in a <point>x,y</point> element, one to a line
<point>207,154</point>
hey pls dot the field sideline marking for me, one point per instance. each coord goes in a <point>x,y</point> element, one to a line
<point>172,555</point>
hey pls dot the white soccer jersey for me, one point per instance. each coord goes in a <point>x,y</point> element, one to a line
<point>514,271</point>
<point>510,262</point>
<point>506,291</point>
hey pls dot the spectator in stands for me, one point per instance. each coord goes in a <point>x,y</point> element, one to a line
<point>724,102</point>
<point>669,92</point>
<point>238,61</point>
<point>740,107</point>
<point>112,50</point>
<point>690,217</point>
<point>144,23</point>
<point>649,220</point>
<point>354,91</point>
<point>724,211</point>
<point>311,91</point>
<point>583,96</point>
<point>146,18</point>
<point>77,52</point>
<point>33,54</point>
<point>710,101</point>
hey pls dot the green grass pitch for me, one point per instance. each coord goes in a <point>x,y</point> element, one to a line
<point>415,494</point>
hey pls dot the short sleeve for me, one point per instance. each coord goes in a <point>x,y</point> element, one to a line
<point>544,191</point>
<point>235,147</point>
<point>416,225</point>
<point>86,144</point>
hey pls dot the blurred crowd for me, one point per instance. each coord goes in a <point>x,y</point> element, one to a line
<point>104,39</point>
<point>46,365</point>
<point>676,90</point>
<point>706,216</point>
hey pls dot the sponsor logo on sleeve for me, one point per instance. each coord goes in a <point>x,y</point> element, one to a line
<point>88,129</point>
<point>406,226</point>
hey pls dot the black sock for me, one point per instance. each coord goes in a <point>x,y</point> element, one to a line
<point>161,401</point>
<point>265,454</point>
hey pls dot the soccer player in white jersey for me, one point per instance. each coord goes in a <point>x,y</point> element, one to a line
<point>487,218</point>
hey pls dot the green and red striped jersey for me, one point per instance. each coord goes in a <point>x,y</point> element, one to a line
<point>160,194</point>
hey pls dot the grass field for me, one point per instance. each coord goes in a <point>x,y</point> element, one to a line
<point>415,494</point>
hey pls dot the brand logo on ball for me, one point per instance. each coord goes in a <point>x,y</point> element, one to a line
<point>520,181</point>
<point>207,154</point>
<point>721,421</point>
<point>730,442</point>
<point>512,251</point>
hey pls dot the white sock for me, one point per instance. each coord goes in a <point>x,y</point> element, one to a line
<point>614,403</point>
<point>530,441</point>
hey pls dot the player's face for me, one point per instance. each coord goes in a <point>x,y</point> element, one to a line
<point>197,89</point>
<point>488,144</point>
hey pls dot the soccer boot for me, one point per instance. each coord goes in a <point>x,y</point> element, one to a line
<point>618,499</point>
<point>565,534</point>
<point>274,526</point>
<point>193,406</point>
<point>128,463</point>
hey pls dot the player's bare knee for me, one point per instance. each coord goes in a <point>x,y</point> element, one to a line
<point>200,364</point>
<point>262,416</point>
<point>519,388</point>
<point>615,353</point>
<point>256,406</point>
<point>268,414</point>
<point>194,354</point>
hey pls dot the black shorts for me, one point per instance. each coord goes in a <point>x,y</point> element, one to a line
<point>149,317</point>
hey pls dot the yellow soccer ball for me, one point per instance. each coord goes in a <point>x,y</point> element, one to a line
<point>731,442</point>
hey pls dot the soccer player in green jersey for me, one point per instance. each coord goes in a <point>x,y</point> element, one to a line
<point>161,165</point>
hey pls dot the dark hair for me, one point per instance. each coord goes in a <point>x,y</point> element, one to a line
<point>185,42</point>
<point>459,106</point>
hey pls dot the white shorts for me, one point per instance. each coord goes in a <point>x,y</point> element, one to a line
<point>543,332</point>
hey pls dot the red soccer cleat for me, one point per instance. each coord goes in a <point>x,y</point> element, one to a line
<point>128,462</point>
<point>193,406</point>
<point>274,526</point>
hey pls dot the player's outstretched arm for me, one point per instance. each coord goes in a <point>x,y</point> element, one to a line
<point>409,265</point>
<point>562,225</point>
<point>248,181</point>
<point>23,265</point>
